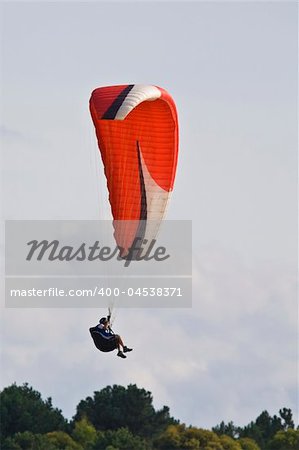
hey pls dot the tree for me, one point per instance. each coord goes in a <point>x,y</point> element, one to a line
<point>85,433</point>
<point>265,427</point>
<point>287,417</point>
<point>228,443</point>
<point>285,440</point>
<point>121,439</point>
<point>22,409</point>
<point>228,429</point>
<point>180,437</point>
<point>63,441</point>
<point>28,441</point>
<point>171,438</point>
<point>119,407</point>
<point>248,444</point>
<point>264,424</point>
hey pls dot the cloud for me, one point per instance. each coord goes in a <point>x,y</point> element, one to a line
<point>9,133</point>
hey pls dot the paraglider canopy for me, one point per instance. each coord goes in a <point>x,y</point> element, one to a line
<point>137,132</point>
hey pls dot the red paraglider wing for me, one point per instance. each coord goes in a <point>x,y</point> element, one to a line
<point>137,131</point>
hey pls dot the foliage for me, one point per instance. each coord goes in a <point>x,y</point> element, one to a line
<point>22,409</point>
<point>85,433</point>
<point>28,441</point>
<point>119,418</point>
<point>287,417</point>
<point>55,440</point>
<point>228,443</point>
<point>265,427</point>
<point>121,439</point>
<point>285,440</point>
<point>119,407</point>
<point>248,444</point>
<point>261,431</point>
<point>228,429</point>
<point>63,441</point>
<point>188,438</point>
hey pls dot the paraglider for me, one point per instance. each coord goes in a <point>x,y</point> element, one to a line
<point>137,132</point>
<point>105,340</point>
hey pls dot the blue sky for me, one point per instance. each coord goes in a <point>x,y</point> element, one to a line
<point>232,69</point>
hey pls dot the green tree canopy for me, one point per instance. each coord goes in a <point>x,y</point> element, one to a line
<point>287,417</point>
<point>85,433</point>
<point>228,429</point>
<point>28,441</point>
<point>119,407</point>
<point>228,443</point>
<point>265,427</point>
<point>63,441</point>
<point>180,437</point>
<point>22,409</point>
<point>119,418</point>
<point>248,444</point>
<point>285,440</point>
<point>121,439</point>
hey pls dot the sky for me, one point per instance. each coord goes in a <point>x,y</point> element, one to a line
<point>231,68</point>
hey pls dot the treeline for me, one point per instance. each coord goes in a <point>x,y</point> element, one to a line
<point>119,418</point>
